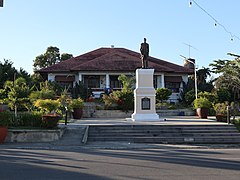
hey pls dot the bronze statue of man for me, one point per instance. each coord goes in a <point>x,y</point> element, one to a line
<point>144,53</point>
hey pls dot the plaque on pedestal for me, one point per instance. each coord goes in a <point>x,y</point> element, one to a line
<point>146,103</point>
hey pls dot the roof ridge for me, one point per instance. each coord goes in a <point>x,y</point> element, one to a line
<point>103,56</point>
<point>108,59</point>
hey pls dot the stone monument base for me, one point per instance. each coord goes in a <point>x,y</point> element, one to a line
<point>144,97</point>
<point>145,117</point>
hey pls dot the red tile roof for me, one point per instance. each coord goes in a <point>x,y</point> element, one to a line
<point>113,60</point>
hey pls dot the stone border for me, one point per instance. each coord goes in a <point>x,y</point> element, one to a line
<point>32,135</point>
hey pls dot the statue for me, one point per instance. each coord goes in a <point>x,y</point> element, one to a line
<point>144,53</point>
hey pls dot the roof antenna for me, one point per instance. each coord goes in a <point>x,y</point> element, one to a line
<point>189,49</point>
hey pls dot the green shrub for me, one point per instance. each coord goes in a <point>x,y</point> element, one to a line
<point>190,97</point>
<point>124,99</point>
<point>47,105</point>
<point>33,119</point>
<point>110,102</point>
<point>6,118</point>
<point>166,105</point>
<point>221,108</point>
<point>211,97</point>
<point>43,94</point>
<point>127,82</point>
<point>236,122</point>
<point>76,103</point>
<point>202,103</point>
<point>163,94</point>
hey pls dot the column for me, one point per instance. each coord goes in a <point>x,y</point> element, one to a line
<point>163,82</point>
<point>80,77</point>
<point>159,85</point>
<point>107,81</point>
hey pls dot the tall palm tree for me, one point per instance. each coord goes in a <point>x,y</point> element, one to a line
<point>202,75</point>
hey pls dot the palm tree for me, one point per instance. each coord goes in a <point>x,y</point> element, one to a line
<point>202,75</point>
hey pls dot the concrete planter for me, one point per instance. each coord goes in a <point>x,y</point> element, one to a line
<point>3,134</point>
<point>175,112</point>
<point>77,113</point>
<point>121,114</point>
<point>23,135</point>
<point>111,114</point>
<point>221,117</point>
<point>202,113</point>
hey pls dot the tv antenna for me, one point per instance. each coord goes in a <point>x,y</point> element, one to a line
<point>189,49</point>
<point>183,56</point>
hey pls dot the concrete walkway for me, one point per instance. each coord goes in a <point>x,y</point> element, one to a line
<point>168,120</point>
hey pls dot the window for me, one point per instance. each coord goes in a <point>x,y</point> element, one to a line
<point>92,81</point>
<point>65,81</point>
<point>173,83</point>
<point>174,86</point>
<point>114,82</point>
<point>155,83</point>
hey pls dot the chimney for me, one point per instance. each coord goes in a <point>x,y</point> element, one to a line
<point>188,64</point>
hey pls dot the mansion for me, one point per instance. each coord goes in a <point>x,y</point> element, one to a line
<point>100,68</point>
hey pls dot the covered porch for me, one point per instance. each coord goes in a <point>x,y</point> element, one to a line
<point>101,82</point>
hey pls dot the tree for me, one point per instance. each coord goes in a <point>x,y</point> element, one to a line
<point>202,75</point>
<point>65,56</point>
<point>17,93</point>
<point>50,57</point>
<point>230,73</point>
<point>8,72</point>
<point>230,76</point>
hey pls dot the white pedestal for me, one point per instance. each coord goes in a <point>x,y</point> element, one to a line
<point>144,97</point>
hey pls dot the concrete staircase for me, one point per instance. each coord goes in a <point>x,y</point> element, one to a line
<point>171,134</point>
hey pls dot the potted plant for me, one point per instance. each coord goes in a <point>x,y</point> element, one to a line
<point>5,121</point>
<point>76,105</point>
<point>202,105</point>
<point>49,109</point>
<point>221,111</point>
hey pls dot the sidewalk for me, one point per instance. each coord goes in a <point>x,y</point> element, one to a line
<point>75,131</point>
<point>168,120</point>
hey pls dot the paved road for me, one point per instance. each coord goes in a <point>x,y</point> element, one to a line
<point>94,163</point>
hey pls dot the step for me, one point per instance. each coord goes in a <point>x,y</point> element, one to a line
<point>125,127</point>
<point>165,133</point>
<point>190,140</point>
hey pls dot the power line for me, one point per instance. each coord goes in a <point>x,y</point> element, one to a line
<point>214,19</point>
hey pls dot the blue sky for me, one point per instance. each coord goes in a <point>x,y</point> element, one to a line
<point>28,27</point>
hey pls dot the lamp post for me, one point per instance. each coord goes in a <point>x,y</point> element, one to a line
<point>195,75</point>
